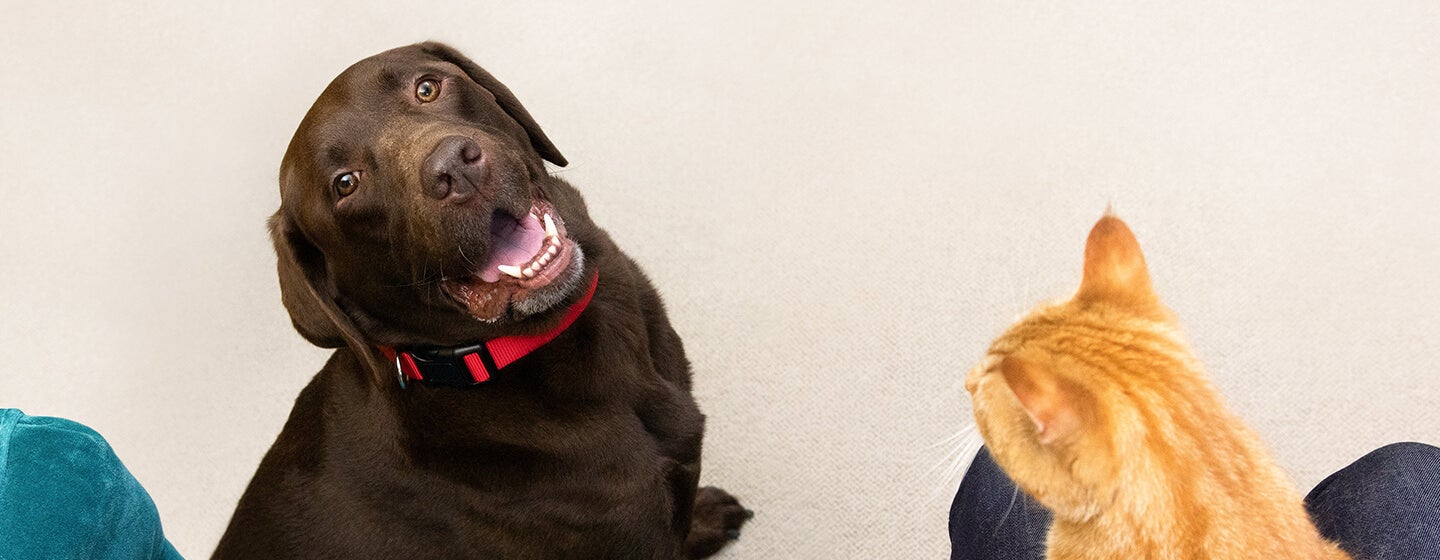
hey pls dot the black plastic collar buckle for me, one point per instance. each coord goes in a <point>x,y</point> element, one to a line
<point>462,366</point>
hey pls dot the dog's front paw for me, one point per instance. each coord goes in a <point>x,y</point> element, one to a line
<point>715,521</point>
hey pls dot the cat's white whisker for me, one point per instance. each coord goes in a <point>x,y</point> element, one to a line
<point>1014,495</point>
<point>951,438</point>
<point>947,459</point>
<point>955,464</point>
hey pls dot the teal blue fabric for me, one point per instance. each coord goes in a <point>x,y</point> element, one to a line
<point>64,494</point>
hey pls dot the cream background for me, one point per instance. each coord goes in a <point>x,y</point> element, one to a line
<point>842,203</point>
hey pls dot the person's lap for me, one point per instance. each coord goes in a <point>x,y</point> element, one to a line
<point>991,519</point>
<point>1384,506</point>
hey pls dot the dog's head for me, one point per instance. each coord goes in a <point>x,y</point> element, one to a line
<point>416,209</point>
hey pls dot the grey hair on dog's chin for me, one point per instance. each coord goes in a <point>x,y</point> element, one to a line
<point>542,302</point>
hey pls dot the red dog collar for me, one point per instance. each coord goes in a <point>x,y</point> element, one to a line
<point>474,364</point>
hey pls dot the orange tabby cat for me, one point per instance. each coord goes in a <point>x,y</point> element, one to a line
<point>1096,408</point>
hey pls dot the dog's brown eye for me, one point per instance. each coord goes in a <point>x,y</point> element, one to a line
<point>427,90</point>
<point>347,183</point>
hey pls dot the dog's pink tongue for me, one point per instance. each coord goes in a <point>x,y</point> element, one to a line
<point>512,243</point>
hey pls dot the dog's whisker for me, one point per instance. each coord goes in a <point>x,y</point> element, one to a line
<point>420,282</point>
<point>466,258</point>
<point>423,278</point>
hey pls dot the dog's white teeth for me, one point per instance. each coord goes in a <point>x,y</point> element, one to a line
<point>551,250</point>
<point>512,270</point>
<point>550,230</point>
<point>529,273</point>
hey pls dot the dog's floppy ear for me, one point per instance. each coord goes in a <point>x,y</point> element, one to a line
<point>508,102</point>
<point>300,266</point>
<point>315,315</point>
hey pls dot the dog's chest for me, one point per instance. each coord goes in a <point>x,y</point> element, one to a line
<point>484,481</point>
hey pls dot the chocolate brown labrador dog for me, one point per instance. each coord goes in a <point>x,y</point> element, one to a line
<point>505,382</point>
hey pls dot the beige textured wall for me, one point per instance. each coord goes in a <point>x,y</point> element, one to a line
<point>842,203</point>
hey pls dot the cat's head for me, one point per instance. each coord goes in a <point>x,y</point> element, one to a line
<point>1064,399</point>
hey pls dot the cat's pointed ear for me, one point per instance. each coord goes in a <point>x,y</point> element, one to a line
<point>1114,266</point>
<point>1059,407</point>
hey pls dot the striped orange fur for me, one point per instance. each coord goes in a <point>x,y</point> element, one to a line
<point>1096,408</point>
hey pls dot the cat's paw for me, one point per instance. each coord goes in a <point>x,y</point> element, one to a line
<point>714,522</point>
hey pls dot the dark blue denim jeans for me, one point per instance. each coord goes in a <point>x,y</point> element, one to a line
<point>1385,506</point>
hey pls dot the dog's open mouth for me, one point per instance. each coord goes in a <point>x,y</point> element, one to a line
<point>526,256</point>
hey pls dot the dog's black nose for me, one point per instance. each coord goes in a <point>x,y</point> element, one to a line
<point>453,168</point>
